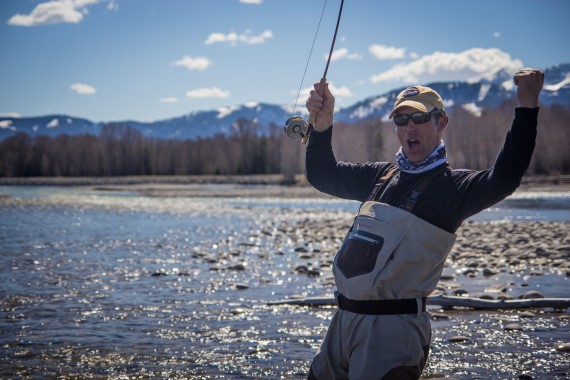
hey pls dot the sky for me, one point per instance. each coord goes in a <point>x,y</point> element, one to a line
<point>147,60</point>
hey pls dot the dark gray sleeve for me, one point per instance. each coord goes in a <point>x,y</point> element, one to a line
<point>482,189</point>
<point>340,179</point>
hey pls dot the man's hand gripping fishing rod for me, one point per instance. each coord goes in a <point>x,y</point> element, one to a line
<point>296,126</point>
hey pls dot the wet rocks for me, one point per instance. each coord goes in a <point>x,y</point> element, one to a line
<point>512,326</point>
<point>527,314</point>
<point>237,266</point>
<point>533,294</point>
<point>460,292</point>
<point>458,339</point>
<point>563,347</point>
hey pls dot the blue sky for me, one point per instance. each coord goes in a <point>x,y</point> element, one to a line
<point>148,60</point>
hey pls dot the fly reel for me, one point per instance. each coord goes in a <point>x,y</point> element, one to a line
<point>296,127</point>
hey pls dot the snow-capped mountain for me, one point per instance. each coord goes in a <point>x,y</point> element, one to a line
<point>472,96</point>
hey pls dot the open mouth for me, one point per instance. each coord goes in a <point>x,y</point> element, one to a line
<point>413,145</point>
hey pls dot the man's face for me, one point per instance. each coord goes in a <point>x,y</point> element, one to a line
<point>419,140</point>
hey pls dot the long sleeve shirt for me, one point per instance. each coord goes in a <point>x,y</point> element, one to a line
<point>450,197</point>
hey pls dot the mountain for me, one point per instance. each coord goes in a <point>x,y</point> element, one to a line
<point>471,96</point>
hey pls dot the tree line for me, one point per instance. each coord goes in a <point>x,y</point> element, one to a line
<point>473,142</point>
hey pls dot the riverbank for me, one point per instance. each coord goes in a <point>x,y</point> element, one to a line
<point>274,185</point>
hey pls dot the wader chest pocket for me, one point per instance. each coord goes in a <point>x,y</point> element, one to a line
<point>358,253</point>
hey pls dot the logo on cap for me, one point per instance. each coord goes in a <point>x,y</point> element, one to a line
<point>410,91</point>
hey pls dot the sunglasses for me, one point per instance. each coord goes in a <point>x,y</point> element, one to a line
<point>401,120</point>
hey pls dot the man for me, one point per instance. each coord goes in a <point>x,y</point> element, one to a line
<point>394,253</point>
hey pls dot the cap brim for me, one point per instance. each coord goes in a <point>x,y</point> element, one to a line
<point>410,103</point>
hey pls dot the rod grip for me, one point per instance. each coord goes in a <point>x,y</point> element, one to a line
<point>312,115</point>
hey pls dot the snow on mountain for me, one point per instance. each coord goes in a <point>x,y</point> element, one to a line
<point>473,97</point>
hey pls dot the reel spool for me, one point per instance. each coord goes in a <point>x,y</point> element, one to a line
<point>296,127</point>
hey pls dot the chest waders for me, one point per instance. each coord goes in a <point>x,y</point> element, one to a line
<point>389,262</point>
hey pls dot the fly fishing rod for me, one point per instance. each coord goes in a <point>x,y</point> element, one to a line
<point>296,126</point>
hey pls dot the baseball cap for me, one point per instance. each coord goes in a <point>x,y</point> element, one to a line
<point>421,98</point>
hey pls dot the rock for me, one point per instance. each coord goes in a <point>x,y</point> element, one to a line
<point>238,266</point>
<point>436,316</point>
<point>459,292</point>
<point>563,347</point>
<point>497,288</point>
<point>527,314</point>
<point>512,327</point>
<point>301,269</point>
<point>446,277</point>
<point>241,286</point>
<point>533,294</point>
<point>313,273</point>
<point>486,297</point>
<point>458,338</point>
<point>301,249</point>
<point>488,272</point>
<point>524,376</point>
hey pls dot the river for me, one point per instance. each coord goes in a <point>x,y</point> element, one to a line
<point>111,284</point>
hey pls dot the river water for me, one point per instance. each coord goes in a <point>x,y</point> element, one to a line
<point>115,285</point>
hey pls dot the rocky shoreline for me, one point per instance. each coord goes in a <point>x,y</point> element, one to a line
<point>482,250</point>
<point>231,186</point>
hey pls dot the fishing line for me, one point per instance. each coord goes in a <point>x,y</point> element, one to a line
<point>296,126</point>
<point>309,59</point>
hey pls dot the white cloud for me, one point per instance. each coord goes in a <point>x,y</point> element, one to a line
<point>168,100</point>
<point>384,52</point>
<point>83,89</point>
<point>470,65</point>
<point>497,34</point>
<point>338,92</point>
<point>113,5</point>
<point>212,92</point>
<point>251,1</point>
<point>233,38</point>
<point>54,12</point>
<point>343,53</point>
<point>193,63</point>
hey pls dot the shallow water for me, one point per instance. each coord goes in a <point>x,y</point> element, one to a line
<point>110,284</point>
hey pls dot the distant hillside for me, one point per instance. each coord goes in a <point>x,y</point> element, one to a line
<point>471,96</point>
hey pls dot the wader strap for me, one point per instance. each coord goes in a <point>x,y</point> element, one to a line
<point>380,184</point>
<point>380,307</point>
<point>412,199</point>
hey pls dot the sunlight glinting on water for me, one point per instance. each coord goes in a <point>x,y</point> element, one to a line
<point>178,287</point>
